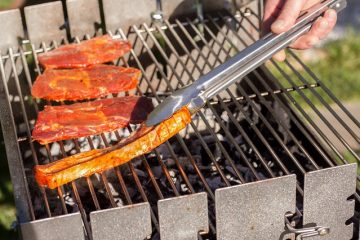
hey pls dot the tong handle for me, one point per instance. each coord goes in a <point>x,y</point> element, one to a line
<point>195,95</point>
<point>222,77</point>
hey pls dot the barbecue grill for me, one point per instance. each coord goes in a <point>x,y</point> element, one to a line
<point>253,164</point>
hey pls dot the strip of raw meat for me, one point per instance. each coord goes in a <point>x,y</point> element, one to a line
<point>88,118</point>
<point>84,83</point>
<point>97,50</point>
<point>142,141</point>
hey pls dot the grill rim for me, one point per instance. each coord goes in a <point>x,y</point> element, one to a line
<point>11,57</point>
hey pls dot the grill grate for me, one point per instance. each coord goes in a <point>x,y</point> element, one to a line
<point>254,130</point>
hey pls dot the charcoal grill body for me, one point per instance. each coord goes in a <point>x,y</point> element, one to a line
<point>251,165</point>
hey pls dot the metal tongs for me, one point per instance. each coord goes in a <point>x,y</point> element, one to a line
<point>195,95</point>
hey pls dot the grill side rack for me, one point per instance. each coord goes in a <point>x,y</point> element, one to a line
<point>255,132</point>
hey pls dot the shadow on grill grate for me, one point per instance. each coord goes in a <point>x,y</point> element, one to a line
<point>255,130</point>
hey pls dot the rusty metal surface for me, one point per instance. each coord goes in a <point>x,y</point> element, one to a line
<point>45,22</point>
<point>182,218</point>
<point>255,210</point>
<point>325,200</point>
<point>123,223</point>
<point>84,17</point>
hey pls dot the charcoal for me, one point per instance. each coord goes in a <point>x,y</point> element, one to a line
<point>164,150</point>
<point>170,162</point>
<point>208,155</point>
<point>156,236</point>
<point>215,183</point>
<point>157,171</point>
<point>285,120</point>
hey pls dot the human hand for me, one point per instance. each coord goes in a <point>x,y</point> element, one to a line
<point>281,15</point>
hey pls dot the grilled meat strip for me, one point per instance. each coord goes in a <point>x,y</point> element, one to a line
<point>88,118</point>
<point>138,143</point>
<point>97,50</point>
<point>84,83</point>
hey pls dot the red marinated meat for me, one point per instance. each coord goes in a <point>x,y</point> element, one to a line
<point>84,83</point>
<point>97,50</point>
<point>88,118</point>
<point>144,140</point>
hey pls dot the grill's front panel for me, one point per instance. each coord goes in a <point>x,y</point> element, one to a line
<point>256,130</point>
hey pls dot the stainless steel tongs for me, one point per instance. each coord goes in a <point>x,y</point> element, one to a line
<point>195,95</point>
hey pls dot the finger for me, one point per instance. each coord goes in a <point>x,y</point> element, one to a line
<point>331,16</point>
<point>323,26</point>
<point>305,42</point>
<point>287,18</point>
<point>271,12</point>
<point>320,29</point>
<point>272,7</point>
<point>310,3</point>
<point>279,56</point>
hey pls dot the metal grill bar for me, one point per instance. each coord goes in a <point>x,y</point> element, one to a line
<point>25,118</point>
<point>330,94</point>
<point>172,89</point>
<point>315,93</point>
<point>258,93</point>
<point>171,55</point>
<point>211,226</point>
<point>59,190</point>
<point>179,138</point>
<point>239,127</point>
<point>259,134</point>
<point>267,123</point>
<point>200,70</point>
<point>17,169</point>
<point>327,106</point>
<point>247,80</point>
<point>219,119</point>
<point>213,110</point>
<point>271,110</point>
<point>158,157</point>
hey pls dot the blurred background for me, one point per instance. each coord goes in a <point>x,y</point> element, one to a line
<point>336,61</point>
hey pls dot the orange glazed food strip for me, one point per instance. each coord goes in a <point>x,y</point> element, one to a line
<point>88,118</point>
<point>140,142</point>
<point>97,50</point>
<point>84,83</point>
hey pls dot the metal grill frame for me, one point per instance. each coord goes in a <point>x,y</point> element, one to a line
<point>145,35</point>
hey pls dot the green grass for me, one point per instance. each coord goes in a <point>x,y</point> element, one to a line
<point>337,65</point>
<point>349,157</point>
<point>7,208</point>
<point>5,3</point>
